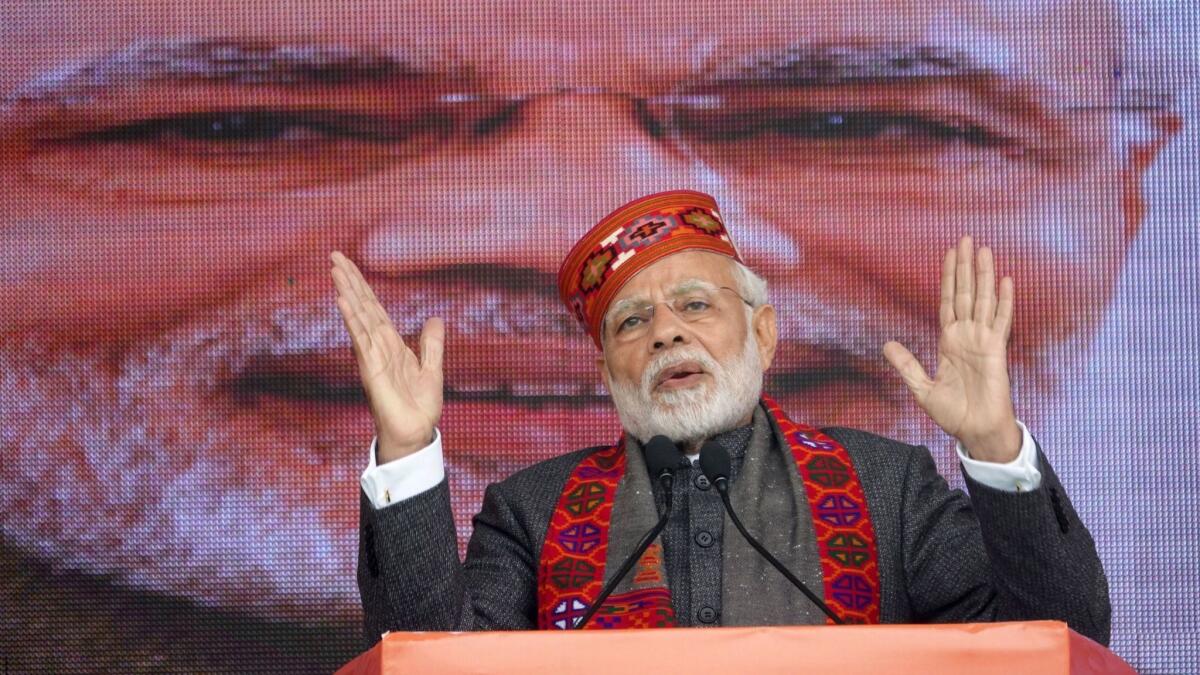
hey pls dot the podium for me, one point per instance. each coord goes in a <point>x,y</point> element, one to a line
<point>1026,648</point>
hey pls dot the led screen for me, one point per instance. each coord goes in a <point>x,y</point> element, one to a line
<point>183,427</point>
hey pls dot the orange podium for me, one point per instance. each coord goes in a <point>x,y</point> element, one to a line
<point>1026,648</point>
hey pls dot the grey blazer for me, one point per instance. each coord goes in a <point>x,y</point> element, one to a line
<point>943,556</point>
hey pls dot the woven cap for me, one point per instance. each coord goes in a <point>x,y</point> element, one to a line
<point>629,239</point>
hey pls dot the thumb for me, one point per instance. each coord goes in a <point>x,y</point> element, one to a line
<point>433,342</point>
<point>909,368</point>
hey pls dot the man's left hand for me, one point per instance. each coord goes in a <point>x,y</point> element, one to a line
<point>969,397</point>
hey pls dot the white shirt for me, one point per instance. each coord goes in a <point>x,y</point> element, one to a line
<point>423,470</point>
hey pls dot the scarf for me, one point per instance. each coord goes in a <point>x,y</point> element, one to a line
<point>607,503</point>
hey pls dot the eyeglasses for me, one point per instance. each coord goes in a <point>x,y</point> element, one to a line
<point>631,323</point>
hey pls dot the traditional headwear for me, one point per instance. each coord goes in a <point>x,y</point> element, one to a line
<point>627,240</point>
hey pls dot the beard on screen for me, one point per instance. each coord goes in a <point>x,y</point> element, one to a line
<point>130,462</point>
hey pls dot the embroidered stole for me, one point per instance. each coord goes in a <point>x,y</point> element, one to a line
<point>574,553</point>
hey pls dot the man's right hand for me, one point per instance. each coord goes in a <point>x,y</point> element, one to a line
<point>404,392</point>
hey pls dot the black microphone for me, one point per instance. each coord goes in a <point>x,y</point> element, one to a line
<point>714,462</point>
<point>662,459</point>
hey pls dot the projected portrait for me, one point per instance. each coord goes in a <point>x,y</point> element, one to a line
<point>181,412</point>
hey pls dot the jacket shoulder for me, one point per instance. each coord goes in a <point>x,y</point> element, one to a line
<point>548,474</point>
<point>877,457</point>
<point>524,502</point>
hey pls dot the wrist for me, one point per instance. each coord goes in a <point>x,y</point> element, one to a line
<point>389,451</point>
<point>1000,447</point>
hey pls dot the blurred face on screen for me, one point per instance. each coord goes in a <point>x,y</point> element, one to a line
<point>180,405</point>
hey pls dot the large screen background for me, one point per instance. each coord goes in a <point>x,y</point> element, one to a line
<point>182,427</point>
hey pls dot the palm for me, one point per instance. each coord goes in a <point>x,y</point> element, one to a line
<point>404,392</point>
<point>969,397</point>
<point>971,379</point>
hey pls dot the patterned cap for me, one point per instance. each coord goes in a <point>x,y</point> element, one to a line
<point>627,240</point>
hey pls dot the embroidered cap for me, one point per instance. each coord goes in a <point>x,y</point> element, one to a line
<point>625,241</point>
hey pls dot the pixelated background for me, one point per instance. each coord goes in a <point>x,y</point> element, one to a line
<point>182,428</point>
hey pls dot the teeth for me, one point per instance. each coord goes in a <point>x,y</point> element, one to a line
<point>310,329</point>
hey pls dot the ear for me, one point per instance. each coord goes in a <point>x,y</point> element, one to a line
<point>1157,132</point>
<point>766,331</point>
<point>602,366</point>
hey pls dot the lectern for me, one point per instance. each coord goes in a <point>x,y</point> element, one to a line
<point>1021,648</point>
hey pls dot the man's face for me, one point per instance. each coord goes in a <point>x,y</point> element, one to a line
<point>682,355</point>
<point>177,172</point>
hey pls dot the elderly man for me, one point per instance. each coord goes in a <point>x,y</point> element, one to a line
<point>685,334</point>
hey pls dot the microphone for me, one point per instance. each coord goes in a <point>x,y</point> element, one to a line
<point>715,463</point>
<point>662,458</point>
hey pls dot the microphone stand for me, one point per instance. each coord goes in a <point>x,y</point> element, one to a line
<point>714,462</point>
<point>667,479</point>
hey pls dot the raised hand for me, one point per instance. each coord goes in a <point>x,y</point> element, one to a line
<point>969,397</point>
<point>404,392</point>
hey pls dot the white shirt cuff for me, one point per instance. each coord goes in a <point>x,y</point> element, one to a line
<point>1020,475</point>
<point>394,481</point>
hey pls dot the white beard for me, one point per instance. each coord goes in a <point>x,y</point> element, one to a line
<point>688,416</point>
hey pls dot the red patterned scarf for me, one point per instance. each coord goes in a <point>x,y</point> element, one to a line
<point>571,571</point>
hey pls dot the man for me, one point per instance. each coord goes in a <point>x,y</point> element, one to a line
<point>171,359</point>
<point>686,335</point>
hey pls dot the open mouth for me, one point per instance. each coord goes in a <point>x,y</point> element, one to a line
<point>270,419</point>
<point>491,368</point>
<point>505,346</point>
<point>516,358</point>
<point>680,376</point>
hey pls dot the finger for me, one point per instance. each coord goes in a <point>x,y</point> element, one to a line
<point>1005,310</point>
<point>433,343</point>
<point>341,281</point>
<point>360,338</point>
<point>365,320</point>
<point>370,301</point>
<point>964,280</point>
<point>946,309</point>
<point>346,288</point>
<point>347,291</point>
<point>909,368</point>
<point>360,281</point>
<point>376,315</point>
<point>985,284</point>
<point>354,282</point>
<point>342,265</point>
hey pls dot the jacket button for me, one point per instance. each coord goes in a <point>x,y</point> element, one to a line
<point>707,615</point>
<point>704,539</point>
<point>702,482</point>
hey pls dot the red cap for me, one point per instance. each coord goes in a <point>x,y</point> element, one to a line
<point>632,237</point>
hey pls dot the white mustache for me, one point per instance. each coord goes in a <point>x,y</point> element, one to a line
<point>672,358</point>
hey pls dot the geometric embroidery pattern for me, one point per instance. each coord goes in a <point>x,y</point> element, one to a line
<point>637,236</point>
<point>580,538</point>
<point>845,536</point>
<point>645,608</point>
<point>571,569</point>
<point>631,237</point>
<point>585,498</point>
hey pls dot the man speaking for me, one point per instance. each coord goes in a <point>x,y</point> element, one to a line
<point>685,334</point>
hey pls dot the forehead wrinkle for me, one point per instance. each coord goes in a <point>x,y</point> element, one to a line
<point>219,60</point>
<point>681,288</point>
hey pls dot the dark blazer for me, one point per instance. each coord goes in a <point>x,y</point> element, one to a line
<point>943,557</point>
